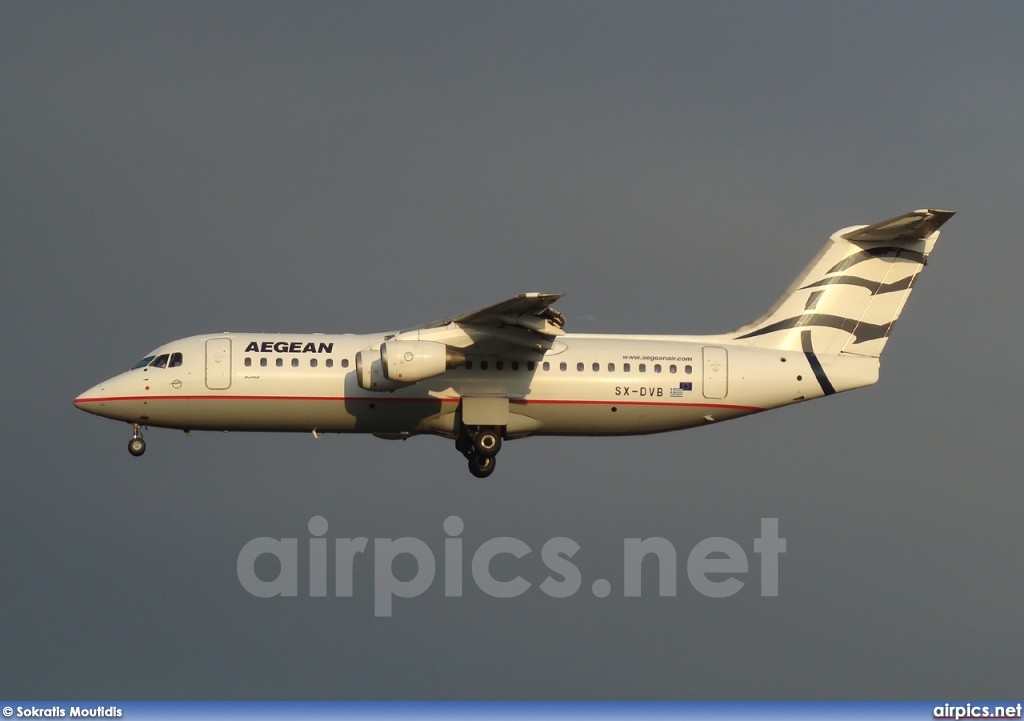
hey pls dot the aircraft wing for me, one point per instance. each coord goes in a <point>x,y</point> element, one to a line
<point>525,321</point>
<point>532,311</point>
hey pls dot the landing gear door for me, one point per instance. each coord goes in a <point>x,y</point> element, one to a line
<point>218,364</point>
<point>716,372</point>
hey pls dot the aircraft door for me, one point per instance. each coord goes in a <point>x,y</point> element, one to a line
<point>716,372</point>
<point>218,364</point>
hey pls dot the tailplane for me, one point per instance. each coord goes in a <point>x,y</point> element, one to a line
<point>849,297</point>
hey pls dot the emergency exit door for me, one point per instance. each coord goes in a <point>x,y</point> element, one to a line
<point>716,372</point>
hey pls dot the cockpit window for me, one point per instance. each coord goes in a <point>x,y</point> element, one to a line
<point>160,362</point>
<point>144,362</point>
<point>175,360</point>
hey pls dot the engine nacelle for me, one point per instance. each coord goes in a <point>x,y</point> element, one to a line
<point>370,372</point>
<point>405,361</point>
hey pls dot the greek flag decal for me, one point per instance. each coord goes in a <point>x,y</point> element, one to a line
<point>678,392</point>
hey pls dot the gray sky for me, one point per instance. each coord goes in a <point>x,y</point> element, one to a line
<point>172,169</point>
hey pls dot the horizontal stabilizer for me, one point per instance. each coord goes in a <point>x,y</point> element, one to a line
<point>916,225</point>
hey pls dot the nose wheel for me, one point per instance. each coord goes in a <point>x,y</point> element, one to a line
<point>136,446</point>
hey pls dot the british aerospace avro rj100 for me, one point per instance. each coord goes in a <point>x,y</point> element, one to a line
<point>510,370</point>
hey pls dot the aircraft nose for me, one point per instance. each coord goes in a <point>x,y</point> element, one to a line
<point>91,401</point>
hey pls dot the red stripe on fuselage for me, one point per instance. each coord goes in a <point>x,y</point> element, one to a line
<point>527,401</point>
<point>375,399</point>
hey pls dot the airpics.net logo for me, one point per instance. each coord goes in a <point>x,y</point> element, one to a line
<point>713,566</point>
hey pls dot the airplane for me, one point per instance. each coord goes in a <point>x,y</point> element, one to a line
<point>510,370</point>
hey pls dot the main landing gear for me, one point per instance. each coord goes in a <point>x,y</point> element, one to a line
<point>136,446</point>
<point>480,445</point>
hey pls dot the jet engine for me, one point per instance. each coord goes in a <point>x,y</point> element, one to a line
<point>370,374</point>
<point>400,363</point>
<point>406,361</point>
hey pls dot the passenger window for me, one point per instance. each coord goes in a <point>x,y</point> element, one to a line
<point>279,362</point>
<point>483,365</point>
<point>329,363</point>
<point>643,367</point>
<point>160,362</point>
<point>546,366</point>
<point>672,369</point>
<point>657,367</point>
<point>611,367</point>
<point>469,365</point>
<point>579,367</point>
<point>625,367</point>
<point>248,361</point>
<point>689,370</point>
<point>295,362</point>
<point>175,360</point>
<point>562,366</point>
<point>530,365</point>
<point>263,362</point>
<point>499,365</point>
<point>312,362</point>
<point>515,365</point>
<point>344,362</point>
<point>597,367</point>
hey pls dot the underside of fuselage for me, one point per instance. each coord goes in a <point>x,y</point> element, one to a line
<point>409,416</point>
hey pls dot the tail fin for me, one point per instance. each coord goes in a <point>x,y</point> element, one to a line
<point>849,297</point>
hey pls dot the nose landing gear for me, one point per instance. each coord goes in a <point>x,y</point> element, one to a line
<point>136,446</point>
<point>480,445</point>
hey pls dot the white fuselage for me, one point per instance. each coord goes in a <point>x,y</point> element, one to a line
<point>584,385</point>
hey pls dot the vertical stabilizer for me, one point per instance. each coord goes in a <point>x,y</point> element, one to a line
<point>849,297</point>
